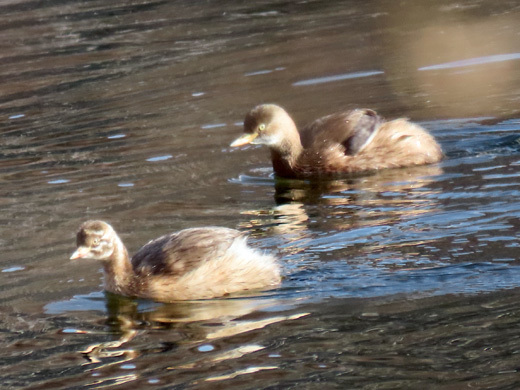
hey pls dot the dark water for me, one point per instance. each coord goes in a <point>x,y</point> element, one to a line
<point>124,111</point>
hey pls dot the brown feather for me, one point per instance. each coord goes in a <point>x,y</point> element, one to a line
<point>352,141</point>
<point>194,263</point>
<point>179,253</point>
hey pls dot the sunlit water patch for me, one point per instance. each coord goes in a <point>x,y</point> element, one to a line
<point>473,62</point>
<point>338,77</point>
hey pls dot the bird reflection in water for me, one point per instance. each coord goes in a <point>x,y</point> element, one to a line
<point>381,198</point>
<point>194,323</point>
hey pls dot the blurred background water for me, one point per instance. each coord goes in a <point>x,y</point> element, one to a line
<point>124,111</point>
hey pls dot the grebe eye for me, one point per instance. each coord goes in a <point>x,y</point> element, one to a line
<point>261,126</point>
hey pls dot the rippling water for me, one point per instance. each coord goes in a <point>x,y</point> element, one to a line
<point>124,111</point>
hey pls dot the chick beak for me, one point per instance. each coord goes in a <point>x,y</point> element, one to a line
<point>81,252</point>
<point>244,140</point>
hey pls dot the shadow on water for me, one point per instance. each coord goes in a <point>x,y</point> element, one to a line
<point>330,191</point>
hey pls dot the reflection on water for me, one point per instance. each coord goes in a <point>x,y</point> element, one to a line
<point>360,204</point>
<point>474,61</point>
<point>197,326</point>
<point>339,77</point>
<point>123,112</point>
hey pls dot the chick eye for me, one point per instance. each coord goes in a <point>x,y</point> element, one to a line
<point>261,126</point>
<point>96,241</point>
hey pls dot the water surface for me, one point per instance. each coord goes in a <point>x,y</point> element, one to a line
<point>124,112</point>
